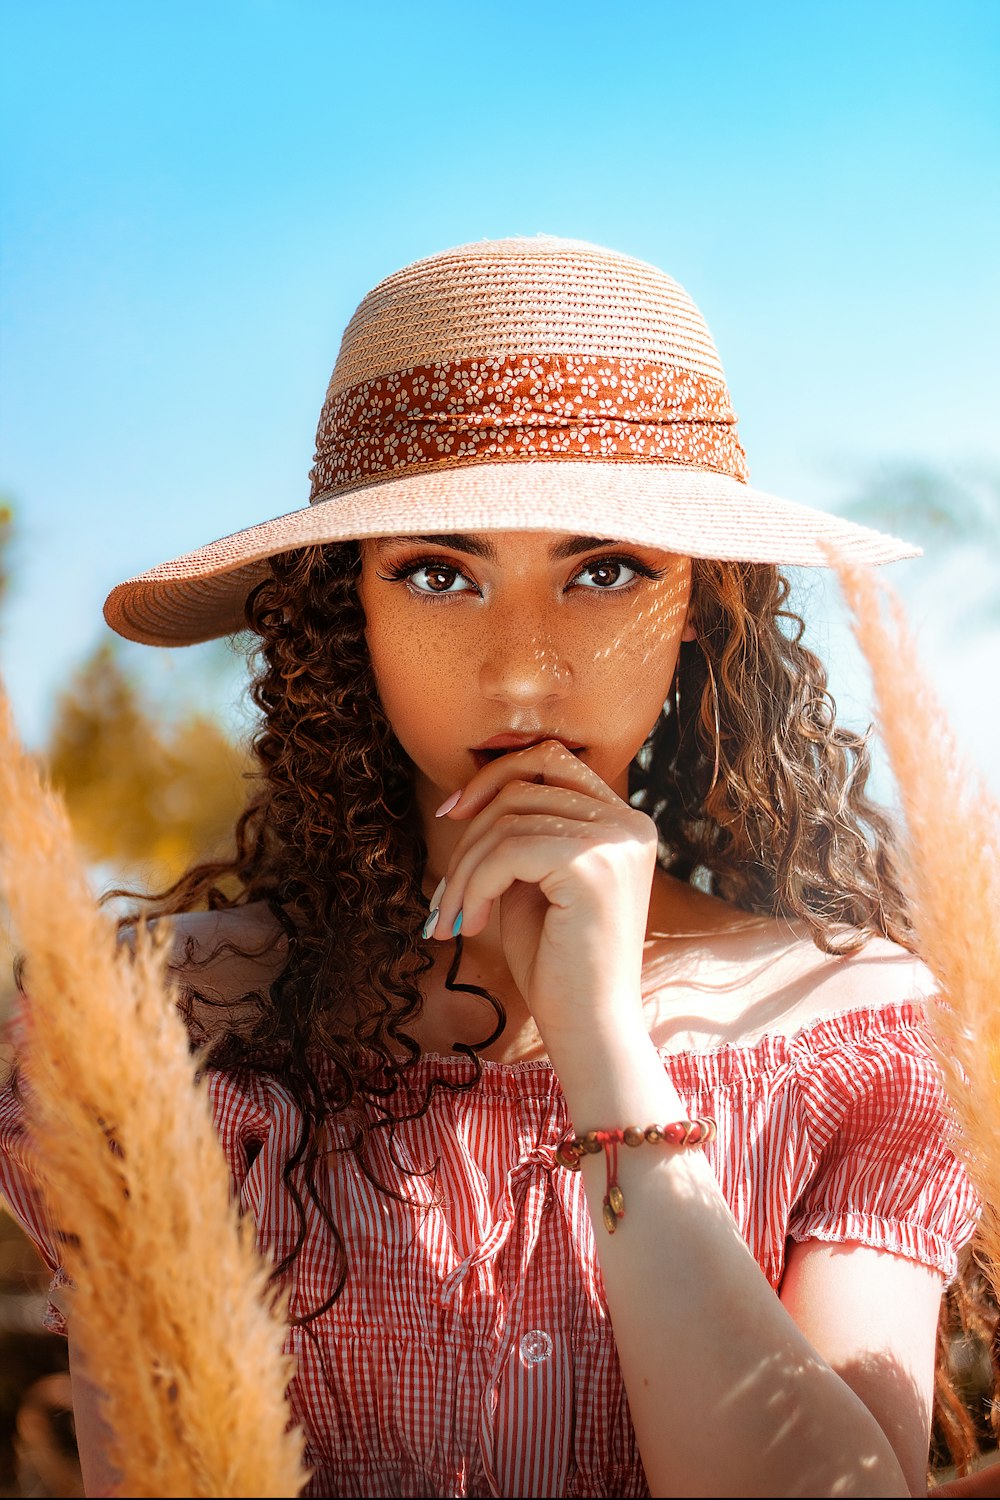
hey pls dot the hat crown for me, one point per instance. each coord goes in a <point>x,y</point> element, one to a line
<point>526,384</point>
<point>536,295</point>
<point>523,350</point>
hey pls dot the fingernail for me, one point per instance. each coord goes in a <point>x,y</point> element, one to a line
<point>448,804</point>
<point>458,926</point>
<point>435,900</point>
<point>428,928</point>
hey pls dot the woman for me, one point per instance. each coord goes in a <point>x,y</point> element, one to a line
<point>558,851</point>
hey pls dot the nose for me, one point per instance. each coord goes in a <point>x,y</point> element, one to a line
<point>522,664</point>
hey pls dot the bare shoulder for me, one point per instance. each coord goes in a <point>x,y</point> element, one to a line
<point>815,983</point>
<point>725,975</point>
<point>226,954</point>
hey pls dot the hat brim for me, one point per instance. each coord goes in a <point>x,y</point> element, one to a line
<point>202,595</point>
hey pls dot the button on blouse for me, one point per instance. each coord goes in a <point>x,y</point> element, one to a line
<point>471,1351</point>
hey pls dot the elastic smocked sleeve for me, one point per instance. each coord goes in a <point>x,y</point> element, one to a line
<point>885,1173</point>
<point>19,1184</point>
<point>21,1190</point>
<point>242,1121</point>
<point>242,1111</point>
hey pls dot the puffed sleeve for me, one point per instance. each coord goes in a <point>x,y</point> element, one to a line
<point>241,1114</point>
<point>22,1192</point>
<point>885,1173</point>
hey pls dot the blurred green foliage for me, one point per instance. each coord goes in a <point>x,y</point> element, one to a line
<point>944,512</point>
<point>6,530</point>
<point>952,507</point>
<point>145,797</point>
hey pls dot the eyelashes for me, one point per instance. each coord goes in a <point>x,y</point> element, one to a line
<point>404,572</point>
<point>616,560</point>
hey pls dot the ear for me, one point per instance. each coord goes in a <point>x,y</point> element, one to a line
<point>689,633</point>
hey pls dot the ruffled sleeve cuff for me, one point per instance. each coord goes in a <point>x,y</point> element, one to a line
<point>242,1121</point>
<point>885,1174</point>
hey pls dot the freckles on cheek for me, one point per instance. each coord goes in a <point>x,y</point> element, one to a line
<point>641,656</point>
<point>397,660</point>
<point>413,658</point>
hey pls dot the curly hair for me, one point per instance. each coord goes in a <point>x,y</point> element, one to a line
<point>752,779</point>
<point>747,774</point>
<point>757,792</point>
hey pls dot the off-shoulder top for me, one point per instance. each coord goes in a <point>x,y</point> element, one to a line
<point>471,1352</point>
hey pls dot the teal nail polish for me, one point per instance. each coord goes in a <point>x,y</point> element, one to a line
<point>431,923</point>
<point>458,926</point>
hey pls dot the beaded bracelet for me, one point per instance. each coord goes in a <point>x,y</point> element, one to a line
<point>679,1133</point>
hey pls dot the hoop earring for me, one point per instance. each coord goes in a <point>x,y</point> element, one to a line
<point>676,707</point>
<point>718,736</point>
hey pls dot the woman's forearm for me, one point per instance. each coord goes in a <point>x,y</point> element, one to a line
<point>727,1395</point>
<point>93,1436</point>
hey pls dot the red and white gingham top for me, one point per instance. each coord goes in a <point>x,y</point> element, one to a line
<point>471,1352</point>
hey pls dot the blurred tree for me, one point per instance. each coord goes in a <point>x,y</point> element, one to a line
<point>145,798</point>
<point>952,507</point>
<point>6,527</point>
<point>943,512</point>
<point>6,954</point>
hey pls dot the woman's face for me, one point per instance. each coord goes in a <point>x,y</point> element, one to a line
<point>524,635</point>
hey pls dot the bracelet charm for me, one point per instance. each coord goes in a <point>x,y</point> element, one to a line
<point>678,1133</point>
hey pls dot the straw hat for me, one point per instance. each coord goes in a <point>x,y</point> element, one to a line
<point>522,384</point>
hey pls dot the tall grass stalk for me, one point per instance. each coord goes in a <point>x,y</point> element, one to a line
<point>953,877</point>
<point>171,1308</point>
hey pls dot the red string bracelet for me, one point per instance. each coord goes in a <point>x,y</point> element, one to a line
<point>679,1133</point>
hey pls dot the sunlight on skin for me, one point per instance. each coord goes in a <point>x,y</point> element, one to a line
<point>521,643</point>
<point>537,634</point>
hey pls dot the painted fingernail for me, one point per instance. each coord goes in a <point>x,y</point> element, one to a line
<point>428,928</point>
<point>448,804</point>
<point>435,900</point>
<point>458,926</point>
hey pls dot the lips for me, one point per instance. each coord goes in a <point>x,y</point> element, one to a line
<point>505,744</point>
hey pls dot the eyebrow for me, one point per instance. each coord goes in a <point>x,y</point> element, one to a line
<point>476,546</point>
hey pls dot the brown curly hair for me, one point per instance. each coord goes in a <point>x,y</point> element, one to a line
<point>330,842</point>
<point>757,792</point>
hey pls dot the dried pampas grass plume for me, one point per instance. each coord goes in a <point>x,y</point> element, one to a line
<point>953,877</point>
<point>171,1309</point>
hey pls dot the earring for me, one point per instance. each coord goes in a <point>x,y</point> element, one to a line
<point>715,723</point>
<point>718,736</point>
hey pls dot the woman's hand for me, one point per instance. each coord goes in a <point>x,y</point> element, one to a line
<point>571,866</point>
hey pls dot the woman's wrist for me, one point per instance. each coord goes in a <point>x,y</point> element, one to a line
<point>615,1079</point>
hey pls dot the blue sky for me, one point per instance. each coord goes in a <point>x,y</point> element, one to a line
<point>195,196</point>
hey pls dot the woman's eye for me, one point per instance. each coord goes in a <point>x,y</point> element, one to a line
<point>438,578</point>
<point>610,573</point>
